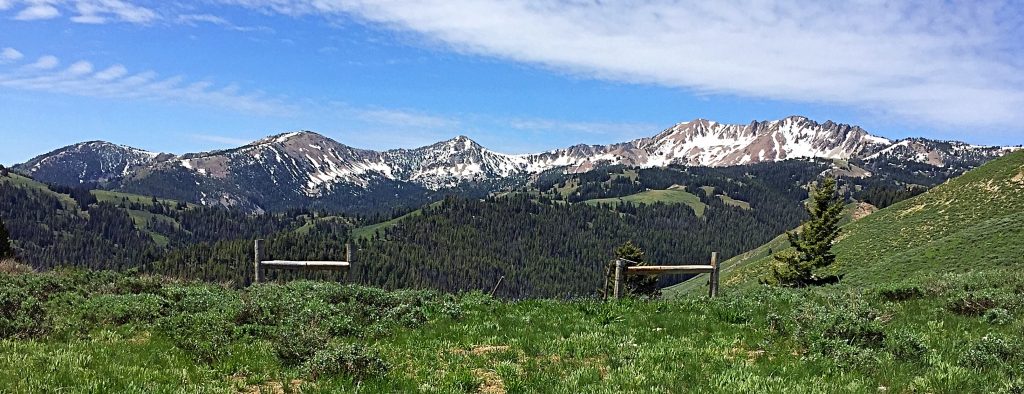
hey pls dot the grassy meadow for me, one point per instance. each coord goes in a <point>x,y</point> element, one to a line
<point>670,196</point>
<point>77,331</point>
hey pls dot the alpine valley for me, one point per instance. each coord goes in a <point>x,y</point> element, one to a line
<point>306,169</point>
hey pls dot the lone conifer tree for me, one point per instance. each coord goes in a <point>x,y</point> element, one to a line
<point>645,285</point>
<point>6,251</point>
<point>813,241</point>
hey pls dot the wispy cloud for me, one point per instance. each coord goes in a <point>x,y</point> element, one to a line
<point>37,12</point>
<point>562,126</point>
<point>81,79</point>
<point>102,11</point>
<point>10,55</point>
<point>404,118</point>
<point>941,63</point>
<point>45,63</point>
<point>81,11</point>
<point>197,19</point>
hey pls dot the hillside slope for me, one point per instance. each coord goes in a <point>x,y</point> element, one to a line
<point>971,222</point>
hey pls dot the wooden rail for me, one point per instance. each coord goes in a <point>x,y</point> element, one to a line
<point>622,270</point>
<point>258,262</point>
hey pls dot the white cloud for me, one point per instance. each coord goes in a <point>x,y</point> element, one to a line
<point>82,11</point>
<point>196,19</point>
<point>607,128</point>
<point>115,82</point>
<point>38,12</point>
<point>941,63</point>
<point>403,118</point>
<point>45,62</point>
<point>100,11</point>
<point>113,72</point>
<point>80,68</point>
<point>10,55</point>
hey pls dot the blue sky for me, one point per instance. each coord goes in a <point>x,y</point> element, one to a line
<point>515,75</point>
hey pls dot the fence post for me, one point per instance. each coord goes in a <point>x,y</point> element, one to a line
<point>620,272</point>
<point>713,278</point>
<point>257,257</point>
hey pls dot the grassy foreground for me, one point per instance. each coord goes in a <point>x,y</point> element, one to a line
<point>106,332</point>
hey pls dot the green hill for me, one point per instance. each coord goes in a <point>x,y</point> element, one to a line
<point>671,196</point>
<point>975,221</point>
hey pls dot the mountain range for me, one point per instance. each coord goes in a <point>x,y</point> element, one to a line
<point>307,169</point>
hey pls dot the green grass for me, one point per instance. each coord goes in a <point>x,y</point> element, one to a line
<point>734,202</point>
<point>142,219</point>
<point>656,196</point>
<point>630,174</point>
<point>16,180</point>
<point>971,222</point>
<point>571,186</point>
<point>306,228</point>
<point>108,333</point>
<point>117,197</point>
<point>366,232</point>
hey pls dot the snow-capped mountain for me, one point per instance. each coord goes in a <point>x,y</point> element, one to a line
<point>938,153</point>
<point>302,168</point>
<point>87,162</point>
<point>448,163</point>
<point>707,143</point>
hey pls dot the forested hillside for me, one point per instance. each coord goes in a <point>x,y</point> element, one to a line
<point>55,226</point>
<point>551,239</point>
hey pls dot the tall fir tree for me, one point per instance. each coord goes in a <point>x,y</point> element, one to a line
<point>812,243</point>
<point>6,251</point>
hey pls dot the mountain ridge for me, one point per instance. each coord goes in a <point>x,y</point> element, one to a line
<point>312,166</point>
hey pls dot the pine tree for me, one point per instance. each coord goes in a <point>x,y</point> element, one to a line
<point>6,251</point>
<point>646,285</point>
<point>813,241</point>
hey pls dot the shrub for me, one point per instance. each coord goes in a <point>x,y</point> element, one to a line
<point>204,335</point>
<point>840,328</point>
<point>21,314</point>
<point>203,298</point>
<point>121,309</point>
<point>777,325</point>
<point>971,303</point>
<point>296,341</point>
<point>992,350</point>
<point>901,292</point>
<point>13,267</point>
<point>906,345</point>
<point>353,360</point>
<point>997,316</point>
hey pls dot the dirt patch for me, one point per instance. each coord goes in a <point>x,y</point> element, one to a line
<point>142,337</point>
<point>271,387</point>
<point>863,209</point>
<point>913,209</point>
<point>749,356</point>
<point>491,382</point>
<point>1019,178</point>
<point>482,350</point>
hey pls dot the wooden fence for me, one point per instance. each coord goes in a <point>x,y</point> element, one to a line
<point>258,262</point>
<point>622,270</point>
